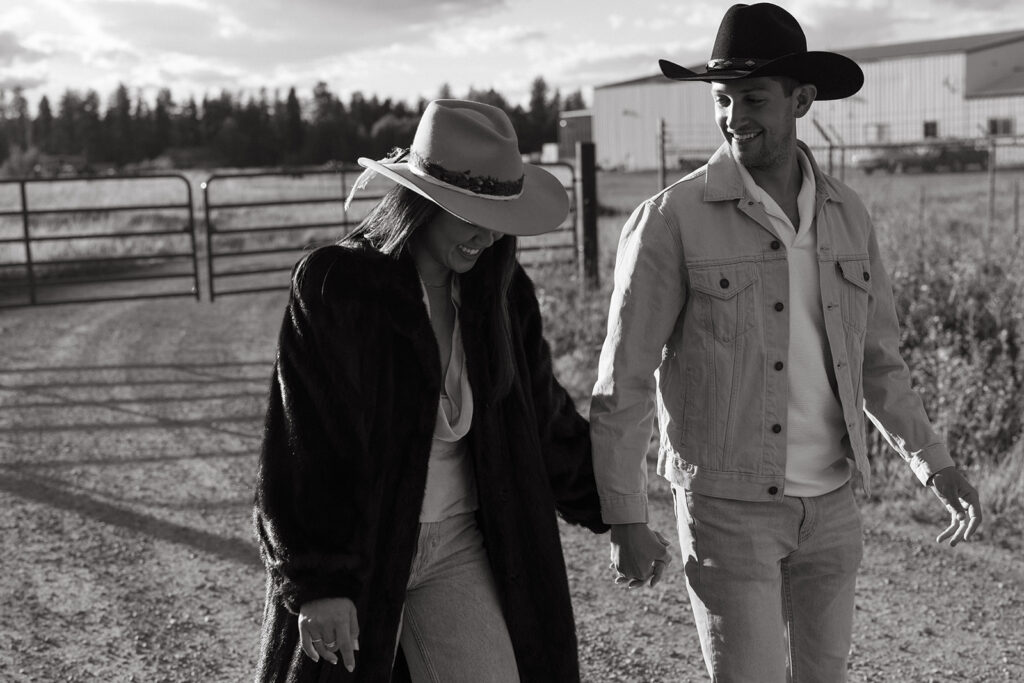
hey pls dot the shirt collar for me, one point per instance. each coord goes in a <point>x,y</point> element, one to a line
<point>804,200</point>
<point>722,180</point>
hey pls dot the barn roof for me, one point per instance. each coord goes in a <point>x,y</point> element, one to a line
<point>878,52</point>
<point>934,47</point>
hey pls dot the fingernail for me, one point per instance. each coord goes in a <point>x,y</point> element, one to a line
<point>355,645</point>
<point>350,667</point>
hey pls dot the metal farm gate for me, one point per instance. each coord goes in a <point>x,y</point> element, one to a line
<point>259,224</point>
<point>85,240</point>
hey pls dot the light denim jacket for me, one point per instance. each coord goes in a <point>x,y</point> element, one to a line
<point>699,318</point>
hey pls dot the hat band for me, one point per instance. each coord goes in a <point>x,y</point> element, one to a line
<point>484,187</point>
<point>737,63</point>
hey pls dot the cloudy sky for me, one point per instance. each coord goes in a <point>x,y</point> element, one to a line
<point>408,48</point>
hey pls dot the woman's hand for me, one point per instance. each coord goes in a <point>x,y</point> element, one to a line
<point>327,626</point>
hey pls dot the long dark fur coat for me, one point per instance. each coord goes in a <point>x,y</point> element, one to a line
<point>344,463</point>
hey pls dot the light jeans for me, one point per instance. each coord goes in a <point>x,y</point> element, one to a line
<point>772,584</point>
<point>453,629</point>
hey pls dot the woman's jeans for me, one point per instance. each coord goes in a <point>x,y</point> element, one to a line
<point>453,628</point>
<point>771,584</point>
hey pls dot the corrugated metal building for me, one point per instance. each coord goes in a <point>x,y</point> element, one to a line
<point>964,87</point>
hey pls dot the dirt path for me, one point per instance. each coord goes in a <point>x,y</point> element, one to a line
<point>128,435</point>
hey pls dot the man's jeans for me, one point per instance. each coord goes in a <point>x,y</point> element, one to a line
<point>453,629</point>
<point>772,584</point>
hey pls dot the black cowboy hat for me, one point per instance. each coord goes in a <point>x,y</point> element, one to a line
<point>765,40</point>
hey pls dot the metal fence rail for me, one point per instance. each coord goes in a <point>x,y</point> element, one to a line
<point>259,224</point>
<point>81,254</point>
<point>561,246</point>
<point>82,240</point>
<point>254,237</point>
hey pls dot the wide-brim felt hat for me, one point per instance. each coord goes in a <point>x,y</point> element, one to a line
<point>766,40</point>
<point>465,158</point>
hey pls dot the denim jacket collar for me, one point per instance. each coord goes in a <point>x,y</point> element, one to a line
<point>723,182</point>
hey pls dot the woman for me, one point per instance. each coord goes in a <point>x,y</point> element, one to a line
<point>417,444</point>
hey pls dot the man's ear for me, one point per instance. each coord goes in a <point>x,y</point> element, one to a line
<point>803,97</point>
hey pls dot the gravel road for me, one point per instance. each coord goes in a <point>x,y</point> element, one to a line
<point>128,434</point>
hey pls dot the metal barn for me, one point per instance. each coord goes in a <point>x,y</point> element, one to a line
<point>967,87</point>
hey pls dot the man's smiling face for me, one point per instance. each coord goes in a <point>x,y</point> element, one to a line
<point>758,119</point>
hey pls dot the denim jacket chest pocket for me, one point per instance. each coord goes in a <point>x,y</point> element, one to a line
<point>854,275</point>
<point>723,297</point>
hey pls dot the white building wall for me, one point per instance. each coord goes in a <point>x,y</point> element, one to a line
<point>898,97</point>
<point>626,121</point>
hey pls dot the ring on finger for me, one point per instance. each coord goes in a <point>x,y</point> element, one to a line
<point>331,645</point>
<point>316,640</point>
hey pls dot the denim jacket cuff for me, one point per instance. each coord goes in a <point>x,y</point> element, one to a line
<point>930,460</point>
<point>624,509</point>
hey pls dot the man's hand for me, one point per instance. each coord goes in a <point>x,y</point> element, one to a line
<point>956,494</point>
<point>328,626</point>
<point>638,554</point>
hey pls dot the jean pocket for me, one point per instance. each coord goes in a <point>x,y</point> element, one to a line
<point>854,289</point>
<point>724,298</point>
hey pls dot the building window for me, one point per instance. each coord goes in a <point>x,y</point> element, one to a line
<point>1001,127</point>
<point>877,132</point>
<point>931,129</point>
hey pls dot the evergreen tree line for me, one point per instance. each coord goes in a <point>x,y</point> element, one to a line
<point>233,130</point>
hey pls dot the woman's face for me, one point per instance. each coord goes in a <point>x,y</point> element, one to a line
<point>450,243</point>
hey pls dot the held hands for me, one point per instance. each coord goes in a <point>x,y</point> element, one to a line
<point>327,626</point>
<point>638,555</point>
<point>956,493</point>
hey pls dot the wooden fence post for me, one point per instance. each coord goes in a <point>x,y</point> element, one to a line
<point>586,215</point>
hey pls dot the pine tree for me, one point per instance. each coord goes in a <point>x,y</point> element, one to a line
<point>42,127</point>
<point>294,126</point>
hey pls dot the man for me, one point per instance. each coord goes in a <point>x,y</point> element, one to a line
<point>751,302</point>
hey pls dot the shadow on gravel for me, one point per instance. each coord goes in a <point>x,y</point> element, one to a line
<point>166,450</point>
<point>213,396</point>
<point>55,495</point>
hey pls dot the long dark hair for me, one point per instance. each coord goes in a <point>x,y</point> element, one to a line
<point>391,223</point>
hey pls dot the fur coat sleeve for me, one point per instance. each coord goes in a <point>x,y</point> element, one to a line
<point>564,434</point>
<point>313,537</point>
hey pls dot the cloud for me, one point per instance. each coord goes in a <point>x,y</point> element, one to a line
<point>654,23</point>
<point>261,36</point>
<point>26,83</point>
<point>834,24</point>
<point>597,65</point>
<point>12,50</point>
<point>479,39</point>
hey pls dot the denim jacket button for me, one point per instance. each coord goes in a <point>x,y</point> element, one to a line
<point>775,245</point>
<point>776,428</point>
<point>723,283</point>
<point>779,305</point>
<point>779,365</point>
<point>772,490</point>
<point>867,276</point>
